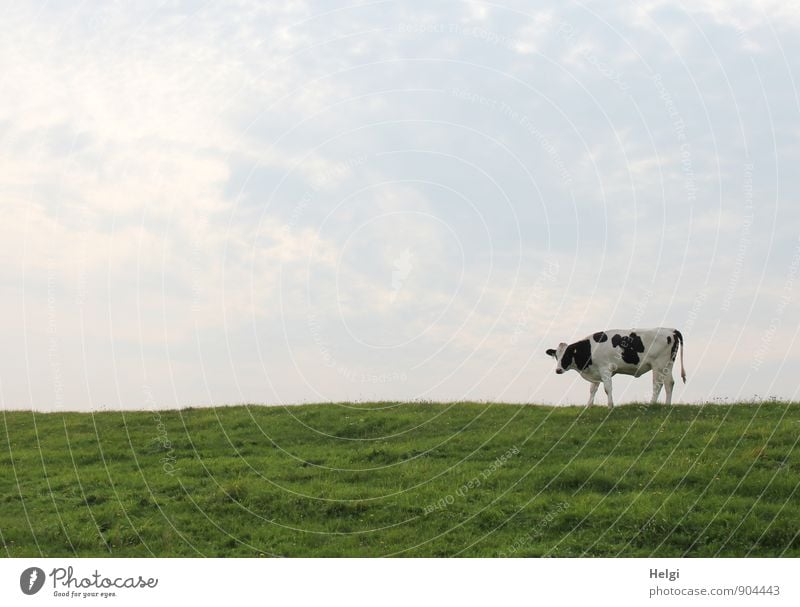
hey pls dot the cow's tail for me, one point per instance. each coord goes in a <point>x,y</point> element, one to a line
<point>679,337</point>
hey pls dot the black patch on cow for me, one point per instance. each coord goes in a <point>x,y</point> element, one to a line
<point>580,353</point>
<point>631,346</point>
<point>676,343</point>
<point>600,337</point>
<point>583,354</point>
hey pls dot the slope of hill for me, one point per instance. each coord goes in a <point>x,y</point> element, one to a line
<point>419,479</point>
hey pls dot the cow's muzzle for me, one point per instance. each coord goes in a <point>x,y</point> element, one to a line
<point>559,371</point>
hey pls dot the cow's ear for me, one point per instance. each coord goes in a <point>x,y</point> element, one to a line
<point>551,352</point>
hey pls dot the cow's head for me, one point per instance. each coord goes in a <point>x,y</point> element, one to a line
<point>558,354</point>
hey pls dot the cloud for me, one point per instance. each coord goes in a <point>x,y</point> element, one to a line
<point>293,202</point>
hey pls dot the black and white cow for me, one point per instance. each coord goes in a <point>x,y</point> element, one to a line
<point>633,352</point>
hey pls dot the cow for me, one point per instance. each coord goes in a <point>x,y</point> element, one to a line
<point>602,355</point>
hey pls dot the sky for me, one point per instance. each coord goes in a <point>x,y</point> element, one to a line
<point>208,203</point>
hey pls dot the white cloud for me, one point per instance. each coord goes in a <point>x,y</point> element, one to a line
<point>167,175</point>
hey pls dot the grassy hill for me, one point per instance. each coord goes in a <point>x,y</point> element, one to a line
<point>403,479</point>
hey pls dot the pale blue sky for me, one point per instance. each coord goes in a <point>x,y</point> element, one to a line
<point>208,202</point>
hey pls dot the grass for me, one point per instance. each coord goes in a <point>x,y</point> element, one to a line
<point>380,479</point>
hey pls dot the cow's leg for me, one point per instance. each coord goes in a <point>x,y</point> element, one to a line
<point>668,385</point>
<point>607,388</point>
<point>658,381</point>
<point>592,391</point>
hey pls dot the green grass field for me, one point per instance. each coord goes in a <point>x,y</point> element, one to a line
<point>381,479</point>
